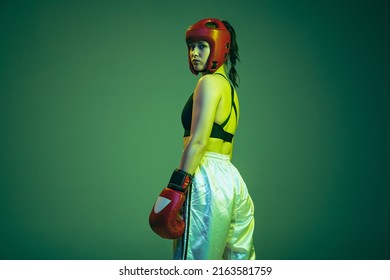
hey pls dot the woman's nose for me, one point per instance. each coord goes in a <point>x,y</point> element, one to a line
<point>195,52</point>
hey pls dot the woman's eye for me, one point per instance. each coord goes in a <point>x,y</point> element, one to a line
<point>202,47</point>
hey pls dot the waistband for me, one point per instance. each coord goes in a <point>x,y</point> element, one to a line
<point>216,156</point>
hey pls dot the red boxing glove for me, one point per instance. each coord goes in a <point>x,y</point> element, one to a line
<point>165,219</point>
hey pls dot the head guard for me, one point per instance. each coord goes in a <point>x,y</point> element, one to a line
<point>214,32</point>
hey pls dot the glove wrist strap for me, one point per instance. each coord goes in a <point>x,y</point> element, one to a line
<point>180,180</point>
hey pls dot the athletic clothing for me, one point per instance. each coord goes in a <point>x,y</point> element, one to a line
<point>218,212</point>
<point>218,129</point>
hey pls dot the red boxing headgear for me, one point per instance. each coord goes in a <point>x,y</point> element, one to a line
<point>214,32</point>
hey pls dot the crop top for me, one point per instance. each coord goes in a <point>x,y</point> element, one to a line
<point>217,130</point>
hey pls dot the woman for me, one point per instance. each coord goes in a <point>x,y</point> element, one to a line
<point>218,211</point>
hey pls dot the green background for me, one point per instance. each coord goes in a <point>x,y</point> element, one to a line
<point>90,99</point>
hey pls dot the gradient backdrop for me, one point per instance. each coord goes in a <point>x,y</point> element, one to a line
<point>90,99</point>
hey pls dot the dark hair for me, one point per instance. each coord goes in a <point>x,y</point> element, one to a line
<point>233,54</point>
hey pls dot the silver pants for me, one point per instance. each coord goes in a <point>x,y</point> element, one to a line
<point>218,213</point>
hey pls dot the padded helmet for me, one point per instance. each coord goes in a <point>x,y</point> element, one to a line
<point>214,32</point>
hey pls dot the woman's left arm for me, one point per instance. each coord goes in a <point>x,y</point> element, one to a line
<point>207,95</point>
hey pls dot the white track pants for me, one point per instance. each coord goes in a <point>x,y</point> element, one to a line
<point>219,214</point>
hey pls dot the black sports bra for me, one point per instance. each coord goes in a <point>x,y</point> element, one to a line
<point>217,130</point>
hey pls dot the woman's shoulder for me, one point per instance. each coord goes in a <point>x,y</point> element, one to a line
<point>209,78</point>
<point>212,82</point>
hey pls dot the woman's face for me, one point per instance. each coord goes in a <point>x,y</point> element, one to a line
<point>199,53</point>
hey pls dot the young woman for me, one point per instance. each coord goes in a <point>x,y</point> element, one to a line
<point>217,220</point>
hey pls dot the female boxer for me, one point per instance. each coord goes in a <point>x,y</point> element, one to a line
<point>217,219</point>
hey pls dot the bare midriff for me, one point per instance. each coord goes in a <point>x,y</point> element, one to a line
<point>214,145</point>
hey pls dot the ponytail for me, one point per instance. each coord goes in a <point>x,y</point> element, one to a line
<point>233,55</point>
